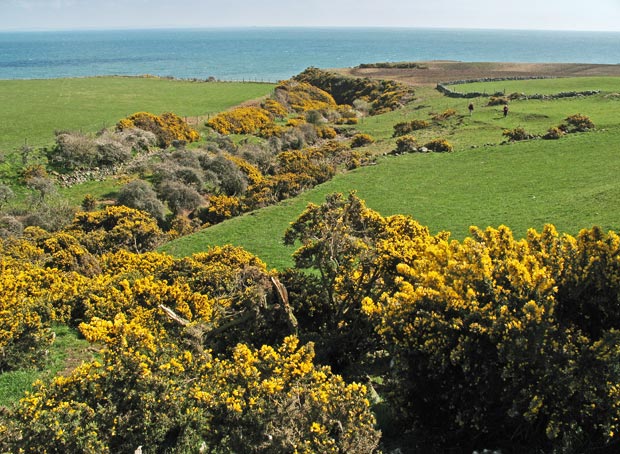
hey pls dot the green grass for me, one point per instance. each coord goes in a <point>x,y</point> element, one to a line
<point>543,86</point>
<point>98,189</point>
<point>67,352</point>
<point>31,110</point>
<point>571,183</point>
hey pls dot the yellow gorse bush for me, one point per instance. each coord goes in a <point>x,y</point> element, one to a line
<point>168,127</point>
<point>241,120</point>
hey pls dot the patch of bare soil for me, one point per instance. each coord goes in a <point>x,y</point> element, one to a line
<point>432,72</point>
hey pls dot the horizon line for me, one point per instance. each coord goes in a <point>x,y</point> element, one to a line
<point>292,27</point>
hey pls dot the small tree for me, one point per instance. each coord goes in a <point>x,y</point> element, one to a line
<point>43,185</point>
<point>6,194</point>
<point>88,203</point>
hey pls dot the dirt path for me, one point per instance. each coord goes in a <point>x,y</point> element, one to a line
<point>432,72</point>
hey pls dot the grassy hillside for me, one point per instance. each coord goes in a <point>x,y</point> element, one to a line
<point>571,182</point>
<point>32,109</point>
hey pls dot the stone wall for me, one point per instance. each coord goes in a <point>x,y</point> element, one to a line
<point>443,87</point>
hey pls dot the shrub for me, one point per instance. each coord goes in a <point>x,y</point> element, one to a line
<point>306,162</point>
<point>88,203</point>
<point>111,150</point>
<point>114,228</point>
<point>406,144</point>
<point>400,129</point>
<point>553,133</point>
<point>6,194</point>
<point>326,132</point>
<point>229,177</point>
<point>448,113</point>
<point>360,140</point>
<point>497,101</point>
<point>487,325</point>
<point>138,139</point>
<point>168,127</point>
<point>579,123</point>
<point>10,226</point>
<point>50,215</point>
<point>315,117</point>
<point>73,151</point>
<point>139,194</point>
<point>276,109</point>
<point>439,145</point>
<point>180,197</point>
<point>304,97</point>
<point>517,134</point>
<point>220,208</point>
<point>143,393</point>
<point>334,239</point>
<point>241,120</point>
<point>419,124</point>
<point>379,96</point>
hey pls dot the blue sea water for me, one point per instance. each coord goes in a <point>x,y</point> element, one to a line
<point>272,54</point>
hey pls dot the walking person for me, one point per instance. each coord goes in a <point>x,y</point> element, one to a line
<point>471,108</point>
<point>505,110</point>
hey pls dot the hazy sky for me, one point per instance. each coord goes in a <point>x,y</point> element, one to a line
<point>521,14</point>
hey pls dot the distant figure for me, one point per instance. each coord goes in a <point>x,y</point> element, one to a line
<point>505,110</point>
<point>471,108</point>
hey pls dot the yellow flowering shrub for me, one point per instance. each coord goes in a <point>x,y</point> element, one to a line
<point>275,108</point>
<point>439,145</point>
<point>158,396</point>
<point>220,208</point>
<point>489,324</point>
<point>361,140</point>
<point>31,297</point>
<point>168,127</point>
<point>382,95</point>
<point>254,175</point>
<point>303,97</point>
<point>326,132</point>
<point>114,228</point>
<point>477,332</point>
<point>448,113</point>
<point>241,120</point>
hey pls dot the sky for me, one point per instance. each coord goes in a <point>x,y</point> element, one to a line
<point>596,15</point>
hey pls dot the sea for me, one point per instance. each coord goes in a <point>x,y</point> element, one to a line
<point>272,54</point>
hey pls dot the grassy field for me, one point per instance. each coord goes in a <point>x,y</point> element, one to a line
<point>32,110</point>
<point>543,86</point>
<point>571,183</point>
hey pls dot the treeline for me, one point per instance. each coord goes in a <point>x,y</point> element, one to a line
<point>490,342</point>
